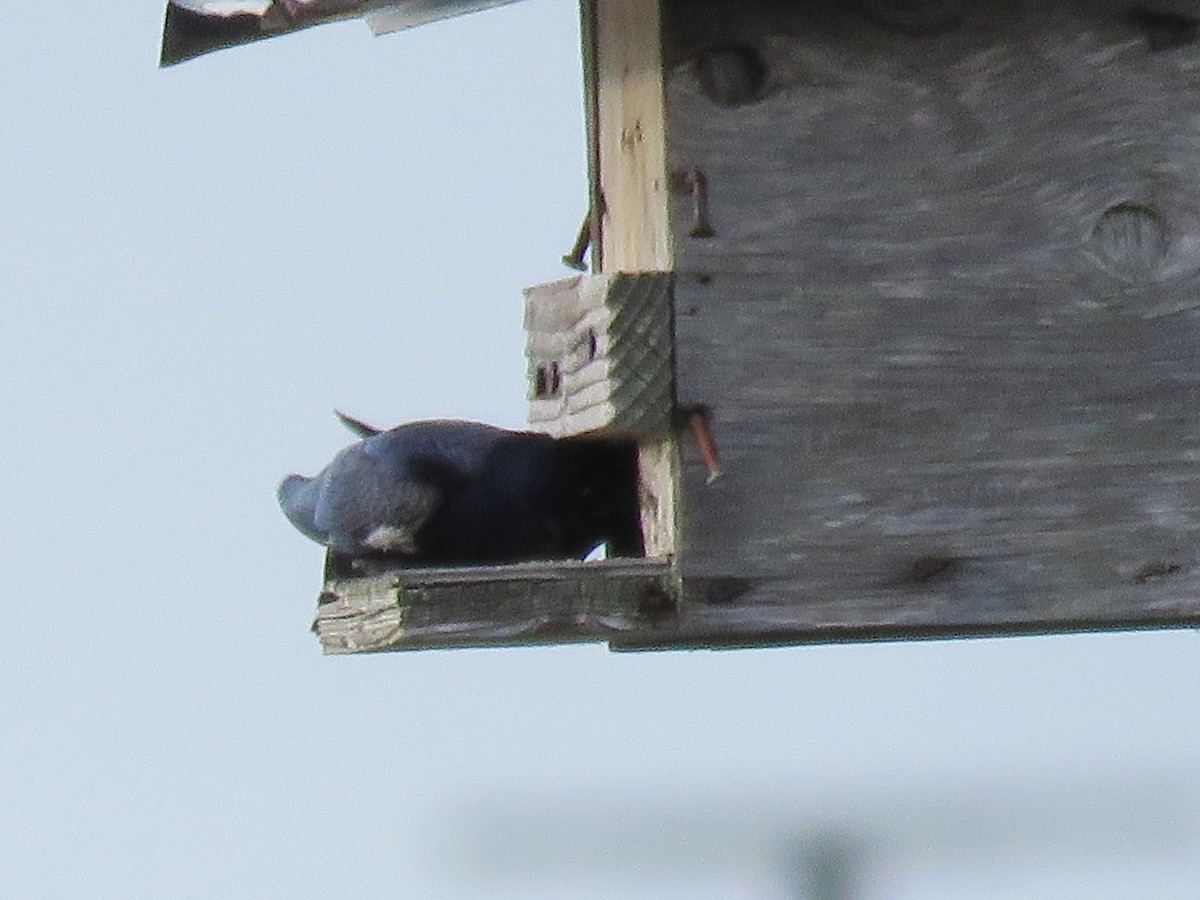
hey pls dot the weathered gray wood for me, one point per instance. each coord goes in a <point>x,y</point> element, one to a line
<point>946,321</point>
<point>527,603</point>
<point>599,349</point>
<point>630,604</point>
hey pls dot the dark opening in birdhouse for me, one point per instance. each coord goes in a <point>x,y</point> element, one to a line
<point>512,497</point>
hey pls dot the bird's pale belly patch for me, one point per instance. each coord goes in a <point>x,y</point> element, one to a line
<point>390,539</point>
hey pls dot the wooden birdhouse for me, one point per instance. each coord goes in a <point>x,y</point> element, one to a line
<point>930,269</point>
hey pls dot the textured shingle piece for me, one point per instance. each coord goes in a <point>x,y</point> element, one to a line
<point>195,27</point>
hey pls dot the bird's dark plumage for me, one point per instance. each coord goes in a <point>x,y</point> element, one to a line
<point>452,492</point>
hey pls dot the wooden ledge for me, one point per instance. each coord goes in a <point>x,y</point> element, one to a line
<point>480,606</point>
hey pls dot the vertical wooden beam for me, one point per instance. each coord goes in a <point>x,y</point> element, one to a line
<point>587,37</point>
<point>631,136</point>
<point>631,230</point>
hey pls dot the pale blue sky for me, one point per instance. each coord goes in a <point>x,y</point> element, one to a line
<point>196,265</point>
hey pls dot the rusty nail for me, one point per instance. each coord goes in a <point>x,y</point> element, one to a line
<point>574,258</point>
<point>702,431</point>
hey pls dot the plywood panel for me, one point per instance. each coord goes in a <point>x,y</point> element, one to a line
<point>947,321</point>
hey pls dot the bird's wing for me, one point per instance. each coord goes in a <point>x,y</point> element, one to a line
<point>379,492</point>
<point>450,443</point>
<point>427,464</point>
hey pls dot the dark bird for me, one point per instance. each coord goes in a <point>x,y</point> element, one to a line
<point>448,492</point>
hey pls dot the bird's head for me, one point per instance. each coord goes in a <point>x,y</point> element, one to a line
<point>298,499</point>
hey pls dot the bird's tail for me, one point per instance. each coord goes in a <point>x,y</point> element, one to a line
<point>362,429</point>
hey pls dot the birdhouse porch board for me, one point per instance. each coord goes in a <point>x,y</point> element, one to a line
<point>566,601</point>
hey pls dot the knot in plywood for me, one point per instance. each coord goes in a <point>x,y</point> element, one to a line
<point>1131,240</point>
<point>731,75</point>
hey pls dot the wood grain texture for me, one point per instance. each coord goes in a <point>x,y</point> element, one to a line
<point>600,353</point>
<point>630,198</point>
<point>631,151</point>
<point>632,605</point>
<point>527,603</point>
<point>947,321</point>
